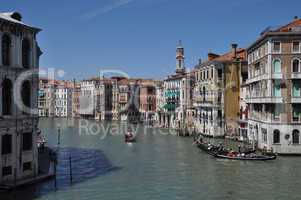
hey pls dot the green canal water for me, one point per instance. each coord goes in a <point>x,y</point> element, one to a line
<point>159,166</point>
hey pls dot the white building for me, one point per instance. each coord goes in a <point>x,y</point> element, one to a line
<point>88,97</point>
<point>63,101</point>
<point>18,125</point>
<point>177,91</point>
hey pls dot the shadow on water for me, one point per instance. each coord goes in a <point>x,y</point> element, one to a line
<point>86,164</point>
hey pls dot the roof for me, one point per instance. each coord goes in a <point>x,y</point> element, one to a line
<point>8,16</point>
<point>227,57</point>
<point>294,27</point>
<point>290,26</point>
<point>241,53</point>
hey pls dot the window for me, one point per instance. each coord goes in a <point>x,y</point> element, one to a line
<point>26,94</point>
<point>27,141</point>
<point>6,171</point>
<point>296,137</point>
<point>264,135</point>
<point>297,88</point>
<point>277,110</point>
<point>296,47</point>
<point>276,137</point>
<point>6,43</point>
<point>220,73</point>
<point>6,144</point>
<point>25,53</point>
<point>277,66</point>
<point>277,88</point>
<point>296,65</point>
<point>27,166</point>
<point>6,97</point>
<point>296,112</point>
<point>276,47</point>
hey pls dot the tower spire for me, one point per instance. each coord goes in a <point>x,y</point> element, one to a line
<point>180,58</point>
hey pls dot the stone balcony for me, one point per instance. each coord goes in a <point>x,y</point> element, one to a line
<point>250,99</point>
<point>22,120</point>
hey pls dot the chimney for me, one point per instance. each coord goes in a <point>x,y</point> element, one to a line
<point>234,49</point>
<point>212,56</point>
<point>295,17</point>
<point>200,61</point>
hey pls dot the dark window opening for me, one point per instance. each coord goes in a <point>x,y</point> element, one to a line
<point>296,66</point>
<point>26,94</point>
<point>6,43</point>
<point>276,137</point>
<point>26,53</point>
<point>296,137</point>
<point>6,144</point>
<point>6,97</point>
<point>27,141</point>
<point>6,171</point>
<point>27,166</point>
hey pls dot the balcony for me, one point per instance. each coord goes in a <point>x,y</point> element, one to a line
<point>296,75</point>
<point>257,78</point>
<point>296,99</point>
<point>264,99</point>
<point>21,120</point>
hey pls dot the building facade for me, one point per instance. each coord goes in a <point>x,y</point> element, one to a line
<point>148,101</point>
<point>104,105</point>
<point>88,98</point>
<point>273,89</point>
<point>76,91</point>
<point>217,93</point>
<point>18,114</point>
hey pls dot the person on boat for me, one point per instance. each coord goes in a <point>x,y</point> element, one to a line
<point>239,149</point>
<point>231,153</point>
<point>220,148</point>
<point>209,146</point>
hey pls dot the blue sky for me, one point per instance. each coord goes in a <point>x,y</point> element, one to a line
<point>140,36</point>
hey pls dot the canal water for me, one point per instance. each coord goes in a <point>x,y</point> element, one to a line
<point>159,166</point>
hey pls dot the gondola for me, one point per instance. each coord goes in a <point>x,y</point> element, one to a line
<point>247,156</point>
<point>129,138</point>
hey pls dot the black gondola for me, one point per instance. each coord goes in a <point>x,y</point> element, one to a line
<point>129,138</point>
<point>248,156</point>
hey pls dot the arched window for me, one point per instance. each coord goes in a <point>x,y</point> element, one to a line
<point>296,136</point>
<point>6,43</point>
<point>6,97</point>
<point>26,94</point>
<point>277,66</point>
<point>296,65</point>
<point>25,53</point>
<point>276,136</point>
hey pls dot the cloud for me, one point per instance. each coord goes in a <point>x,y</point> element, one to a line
<point>103,10</point>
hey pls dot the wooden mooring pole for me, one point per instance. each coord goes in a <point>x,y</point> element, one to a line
<point>55,186</point>
<point>70,169</point>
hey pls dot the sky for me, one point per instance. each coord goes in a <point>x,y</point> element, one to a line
<point>139,37</point>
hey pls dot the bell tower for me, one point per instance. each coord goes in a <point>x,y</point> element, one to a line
<point>180,58</point>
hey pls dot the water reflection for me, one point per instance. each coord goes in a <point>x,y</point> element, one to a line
<point>86,164</point>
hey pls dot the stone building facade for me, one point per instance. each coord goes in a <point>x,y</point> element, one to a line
<point>274,95</point>
<point>19,54</point>
<point>217,93</point>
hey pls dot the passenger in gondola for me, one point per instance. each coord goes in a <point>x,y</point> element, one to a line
<point>209,146</point>
<point>231,153</point>
<point>220,148</point>
<point>239,149</point>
